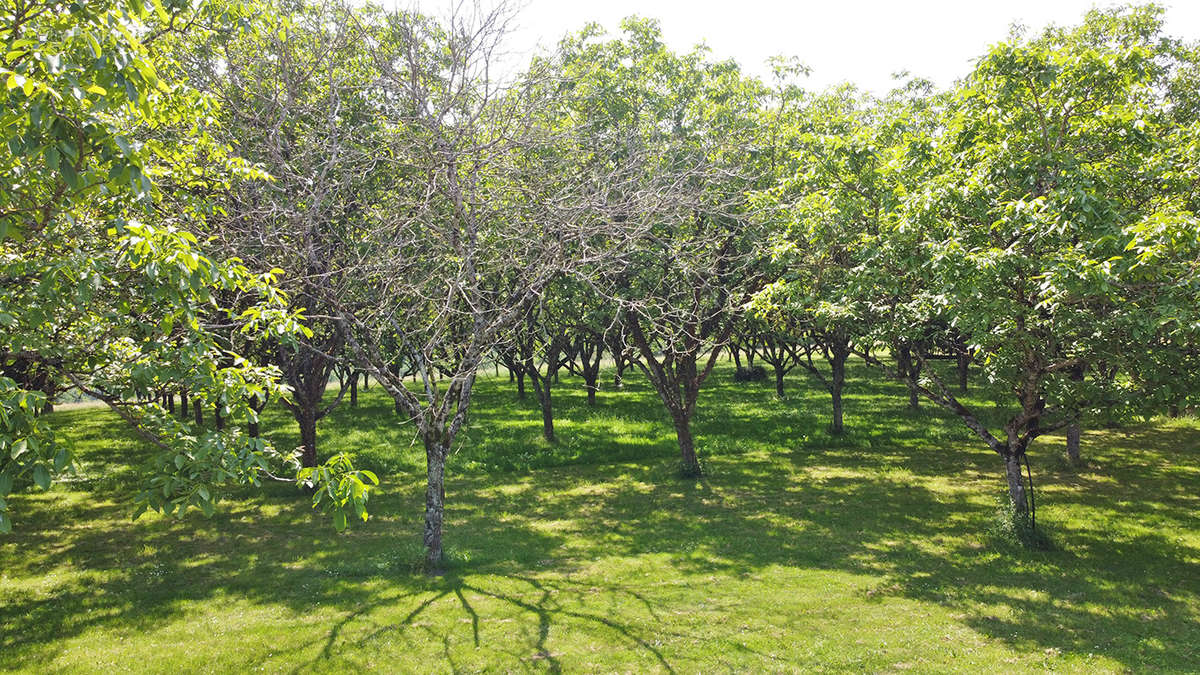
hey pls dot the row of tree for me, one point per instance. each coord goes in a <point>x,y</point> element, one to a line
<point>240,200</point>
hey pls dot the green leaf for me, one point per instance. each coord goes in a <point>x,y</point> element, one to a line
<point>41,476</point>
<point>67,171</point>
<point>6,483</point>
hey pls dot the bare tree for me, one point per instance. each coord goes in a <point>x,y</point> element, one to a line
<point>479,190</point>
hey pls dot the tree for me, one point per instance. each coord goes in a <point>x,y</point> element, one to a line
<point>477,192</point>
<point>691,261</point>
<point>837,183</point>
<point>1053,239</point>
<point>295,98</point>
<point>107,166</point>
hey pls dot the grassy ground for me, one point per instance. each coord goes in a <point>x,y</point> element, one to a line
<point>798,551</point>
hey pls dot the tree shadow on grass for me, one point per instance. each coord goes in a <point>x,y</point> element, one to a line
<point>780,494</point>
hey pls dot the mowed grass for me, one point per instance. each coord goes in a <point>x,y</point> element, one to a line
<point>797,552</point>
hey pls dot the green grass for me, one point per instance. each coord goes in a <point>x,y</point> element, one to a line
<point>798,551</point>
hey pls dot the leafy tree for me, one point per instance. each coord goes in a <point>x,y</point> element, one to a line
<point>691,247</point>
<point>1054,238</point>
<point>107,166</point>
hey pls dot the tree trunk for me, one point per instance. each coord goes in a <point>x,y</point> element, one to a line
<point>1016,482</point>
<point>964,363</point>
<point>198,410</point>
<point>737,357</point>
<point>779,381</point>
<point>354,390</point>
<point>307,421</point>
<point>1074,429</point>
<point>183,404</point>
<point>170,398</point>
<point>252,429</point>
<point>591,382</point>
<point>435,504</point>
<point>1073,437</point>
<point>619,378</point>
<point>521,385</point>
<point>218,420</point>
<point>914,372</point>
<point>836,384</point>
<point>690,465</point>
<point>547,412</point>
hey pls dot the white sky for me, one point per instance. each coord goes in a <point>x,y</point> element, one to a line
<point>861,41</point>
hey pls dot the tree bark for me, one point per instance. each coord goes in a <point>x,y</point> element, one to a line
<point>835,392</point>
<point>914,372</point>
<point>1074,430</point>
<point>1073,440</point>
<point>591,382</point>
<point>964,364</point>
<point>183,403</point>
<point>307,421</point>
<point>690,464</point>
<point>218,420</point>
<point>199,411</point>
<point>354,390</point>
<point>1016,482</point>
<point>435,503</point>
<point>521,385</point>
<point>779,381</point>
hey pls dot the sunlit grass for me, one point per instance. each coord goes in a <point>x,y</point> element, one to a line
<point>798,551</point>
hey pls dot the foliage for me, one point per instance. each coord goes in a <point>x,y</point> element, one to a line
<point>106,291</point>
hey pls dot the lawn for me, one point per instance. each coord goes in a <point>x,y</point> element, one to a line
<point>797,551</point>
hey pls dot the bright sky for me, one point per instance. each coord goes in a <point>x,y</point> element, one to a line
<point>861,41</point>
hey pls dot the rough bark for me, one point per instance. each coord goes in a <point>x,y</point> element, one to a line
<point>591,383</point>
<point>1016,481</point>
<point>1074,432</point>
<point>307,421</point>
<point>690,463</point>
<point>435,503</point>
<point>964,364</point>
<point>836,385</point>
